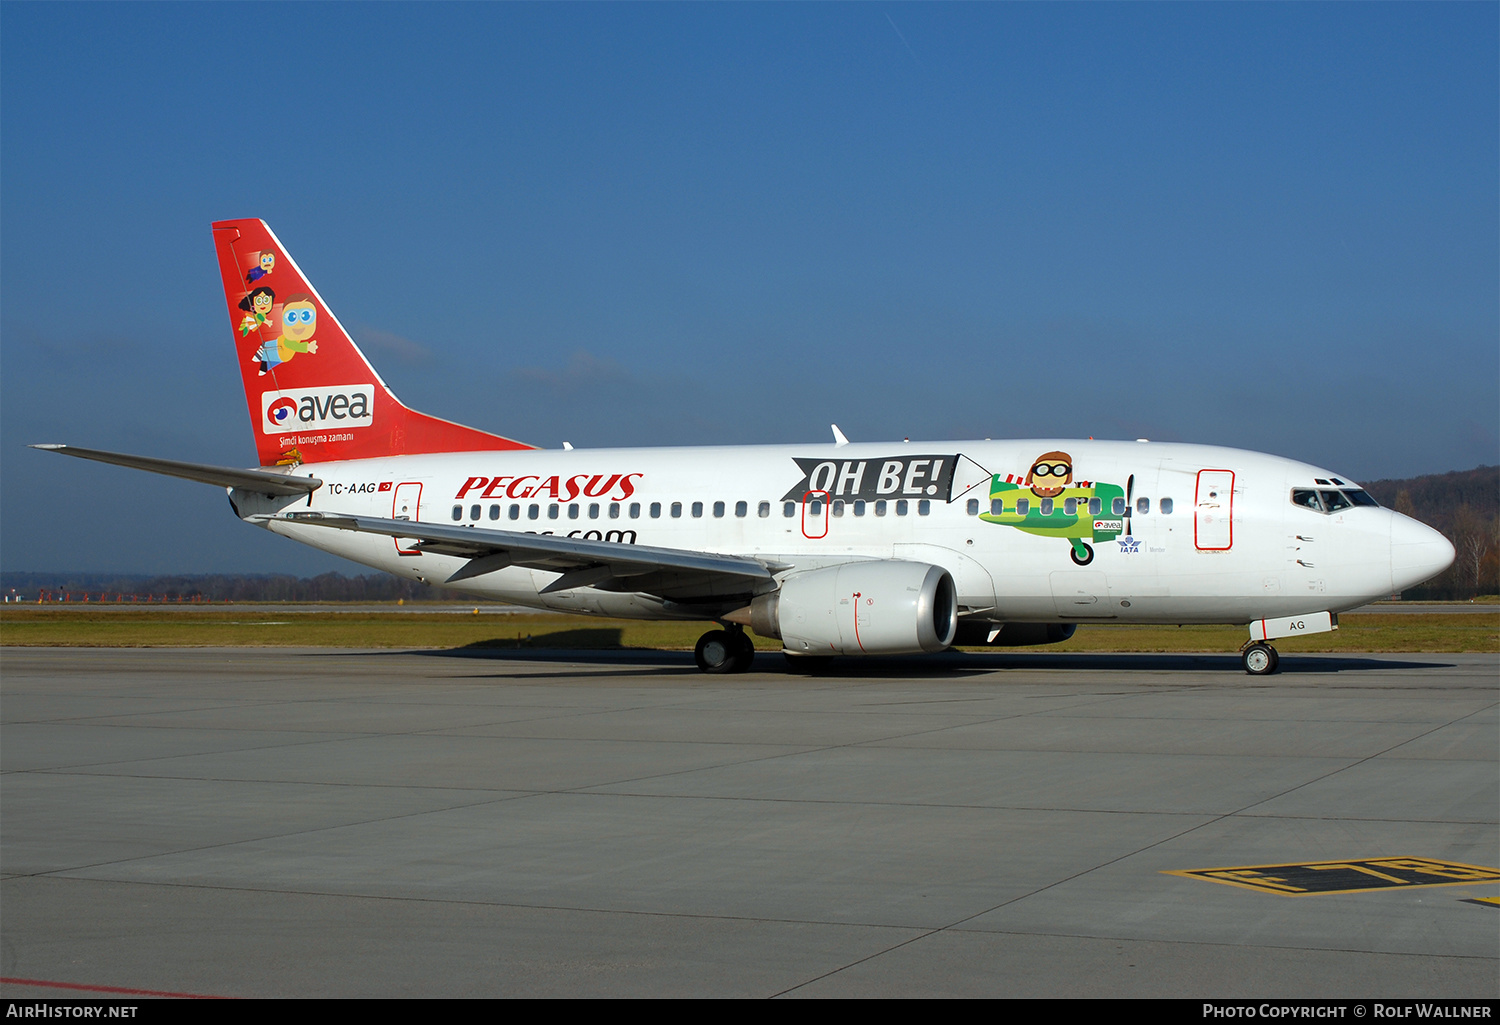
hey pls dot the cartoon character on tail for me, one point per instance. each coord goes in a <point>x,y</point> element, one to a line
<point>265,262</point>
<point>299,320</point>
<point>1049,503</point>
<point>257,306</point>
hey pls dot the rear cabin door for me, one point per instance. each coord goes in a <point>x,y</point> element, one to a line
<point>405,507</point>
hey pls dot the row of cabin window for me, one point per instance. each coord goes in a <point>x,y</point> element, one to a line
<point>741,510</point>
<point>1022,506</point>
<point>859,506</point>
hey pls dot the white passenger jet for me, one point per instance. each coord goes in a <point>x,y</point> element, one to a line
<point>834,548</point>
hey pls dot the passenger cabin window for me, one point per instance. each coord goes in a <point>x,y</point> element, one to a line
<point>880,507</point>
<point>635,510</point>
<point>494,512</point>
<point>656,510</point>
<point>697,509</point>
<point>997,506</point>
<point>741,509</point>
<point>515,511</point>
<point>1023,507</point>
<point>973,507</point>
<point>1070,506</point>
<point>676,510</point>
<point>1165,507</point>
<point>789,509</point>
<point>815,507</point>
<point>718,510</point>
<point>763,510</point>
<point>1095,507</point>
<point>552,511</point>
<point>924,507</point>
<point>1118,507</point>
<point>838,507</point>
<point>533,512</point>
<point>1143,506</point>
<point>859,507</point>
<point>593,510</point>
<point>458,513</point>
<point>614,510</point>
<point>900,507</point>
<point>473,512</point>
<point>1046,507</point>
<point>573,511</point>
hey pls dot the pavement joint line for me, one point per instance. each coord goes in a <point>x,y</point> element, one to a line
<point>470,902</point>
<point>590,790</point>
<point>267,837</point>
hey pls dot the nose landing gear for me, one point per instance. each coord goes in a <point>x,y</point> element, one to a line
<point>1260,658</point>
<point>724,651</point>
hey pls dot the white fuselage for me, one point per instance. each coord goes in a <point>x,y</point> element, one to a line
<point>1212,534</point>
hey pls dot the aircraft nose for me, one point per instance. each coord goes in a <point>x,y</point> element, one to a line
<point>1418,552</point>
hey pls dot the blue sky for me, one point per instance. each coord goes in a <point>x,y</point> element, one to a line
<point>1272,226</point>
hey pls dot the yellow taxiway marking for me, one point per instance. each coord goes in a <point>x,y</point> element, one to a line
<point>1303,878</point>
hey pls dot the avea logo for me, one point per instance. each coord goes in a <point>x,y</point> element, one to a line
<point>341,406</point>
<point>280,412</point>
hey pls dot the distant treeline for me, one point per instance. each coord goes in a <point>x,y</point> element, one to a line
<point>220,587</point>
<point>1464,505</point>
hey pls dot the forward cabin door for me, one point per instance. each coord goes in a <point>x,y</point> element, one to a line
<point>405,507</point>
<point>1213,511</point>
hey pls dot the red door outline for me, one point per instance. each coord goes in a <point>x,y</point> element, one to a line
<point>415,505</point>
<point>809,496</point>
<point>1226,503</point>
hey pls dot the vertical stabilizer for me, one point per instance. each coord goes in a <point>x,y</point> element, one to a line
<point>312,395</point>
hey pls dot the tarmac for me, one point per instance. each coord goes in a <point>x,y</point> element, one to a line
<point>285,822</point>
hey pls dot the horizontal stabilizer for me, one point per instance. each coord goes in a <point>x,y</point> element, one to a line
<point>267,482</point>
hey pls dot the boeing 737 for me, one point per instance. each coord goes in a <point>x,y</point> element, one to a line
<point>836,548</point>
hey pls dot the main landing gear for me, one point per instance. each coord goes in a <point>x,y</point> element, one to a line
<point>1260,658</point>
<point>724,651</point>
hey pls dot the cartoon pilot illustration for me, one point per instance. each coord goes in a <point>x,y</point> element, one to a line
<point>257,306</point>
<point>1048,502</point>
<point>1050,474</point>
<point>265,263</point>
<point>299,320</point>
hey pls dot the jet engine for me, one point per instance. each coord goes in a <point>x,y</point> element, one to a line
<point>861,608</point>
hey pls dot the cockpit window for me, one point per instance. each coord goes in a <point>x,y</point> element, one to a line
<point>1328,501</point>
<point>1333,501</point>
<point>1307,498</point>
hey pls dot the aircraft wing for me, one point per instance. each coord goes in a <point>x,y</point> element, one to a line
<point>267,482</point>
<point>667,572</point>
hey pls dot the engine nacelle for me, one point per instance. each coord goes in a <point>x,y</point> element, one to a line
<point>862,608</point>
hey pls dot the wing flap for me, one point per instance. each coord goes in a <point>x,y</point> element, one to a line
<point>608,565</point>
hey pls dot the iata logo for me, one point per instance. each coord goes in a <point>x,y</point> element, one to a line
<point>343,406</point>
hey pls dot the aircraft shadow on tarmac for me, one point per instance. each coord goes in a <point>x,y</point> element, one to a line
<point>592,649</point>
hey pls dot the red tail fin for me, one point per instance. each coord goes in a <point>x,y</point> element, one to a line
<point>313,396</point>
